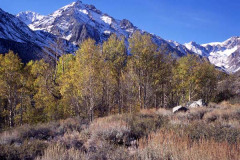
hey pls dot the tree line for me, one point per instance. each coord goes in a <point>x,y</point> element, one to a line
<point>100,80</point>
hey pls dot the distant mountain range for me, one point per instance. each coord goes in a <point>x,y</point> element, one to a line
<point>75,22</point>
<point>225,55</point>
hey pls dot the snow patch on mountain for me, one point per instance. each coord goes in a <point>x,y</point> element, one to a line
<point>107,19</point>
<point>107,32</point>
<point>84,11</point>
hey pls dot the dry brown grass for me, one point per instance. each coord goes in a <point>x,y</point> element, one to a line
<point>164,112</point>
<point>167,145</point>
<point>59,152</point>
<point>148,111</point>
<point>197,113</point>
<point>225,113</point>
<point>106,126</point>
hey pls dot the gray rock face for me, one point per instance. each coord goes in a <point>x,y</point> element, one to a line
<point>126,24</point>
<point>93,8</point>
<point>82,32</point>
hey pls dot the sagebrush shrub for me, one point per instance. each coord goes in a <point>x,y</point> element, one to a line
<point>27,150</point>
<point>143,124</point>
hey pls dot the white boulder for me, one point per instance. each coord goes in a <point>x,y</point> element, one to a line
<point>197,104</point>
<point>179,109</point>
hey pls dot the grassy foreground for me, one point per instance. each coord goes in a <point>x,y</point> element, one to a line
<point>208,133</point>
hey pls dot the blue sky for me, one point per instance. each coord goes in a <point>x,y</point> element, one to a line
<point>202,21</point>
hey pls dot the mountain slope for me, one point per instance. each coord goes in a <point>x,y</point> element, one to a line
<point>11,28</point>
<point>17,36</point>
<point>225,55</point>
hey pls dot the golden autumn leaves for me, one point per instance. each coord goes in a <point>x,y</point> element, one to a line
<point>100,80</point>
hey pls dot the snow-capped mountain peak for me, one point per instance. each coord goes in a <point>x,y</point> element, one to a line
<point>29,17</point>
<point>77,21</point>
